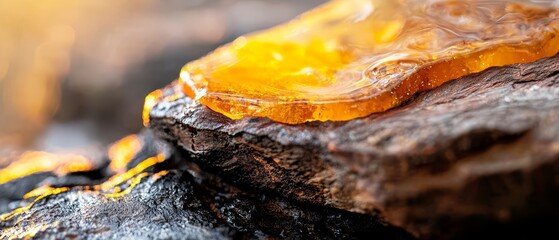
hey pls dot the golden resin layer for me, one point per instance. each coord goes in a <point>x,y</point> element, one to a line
<point>350,58</point>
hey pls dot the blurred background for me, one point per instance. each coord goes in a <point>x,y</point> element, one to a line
<point>74,73</point>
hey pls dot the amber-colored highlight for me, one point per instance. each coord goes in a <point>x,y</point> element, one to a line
<point>350,58</point>
<point>123,151</point>
<point>110,187</point>
<point>35,162</point>
<point>157,96</point>
<point>151,100</point>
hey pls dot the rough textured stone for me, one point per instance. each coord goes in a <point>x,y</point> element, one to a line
<point>483,149</point>
<point>175,200</point>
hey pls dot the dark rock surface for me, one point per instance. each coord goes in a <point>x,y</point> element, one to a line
<point>475,152</point>
<point>172,199</point>
<point>475,158</point>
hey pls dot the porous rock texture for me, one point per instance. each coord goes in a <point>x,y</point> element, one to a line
<point>173,199</point>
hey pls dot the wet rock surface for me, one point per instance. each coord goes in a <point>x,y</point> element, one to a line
<point>172,199</point>
<point>480,152</point>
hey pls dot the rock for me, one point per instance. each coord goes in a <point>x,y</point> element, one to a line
<point>479,150</point>
<point>173,199</point>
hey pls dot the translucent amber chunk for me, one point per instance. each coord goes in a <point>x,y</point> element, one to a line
<point>350,58</point>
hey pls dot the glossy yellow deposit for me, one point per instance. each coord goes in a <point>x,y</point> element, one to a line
<point>350,58</point>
